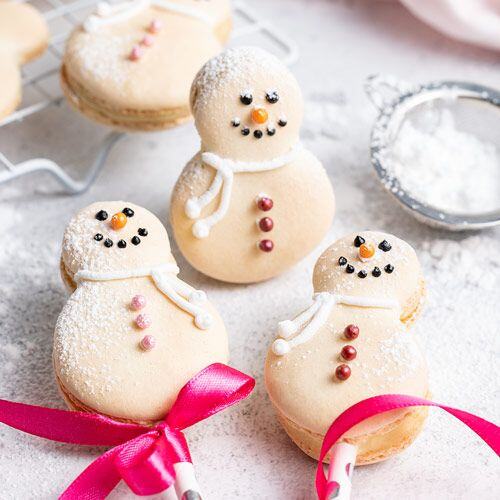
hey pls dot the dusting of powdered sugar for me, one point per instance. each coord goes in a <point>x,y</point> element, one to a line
<point>445,167</point>
<point>90,325</point>
<point>105,57</point>
<point>229,67</point>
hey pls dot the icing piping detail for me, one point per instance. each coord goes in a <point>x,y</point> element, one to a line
<point>223,182</point>
<point>313,318</point>
<point>176,290</point>
<point>106,13</point>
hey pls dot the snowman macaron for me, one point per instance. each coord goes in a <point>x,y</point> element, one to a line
<point>130,64</point>
<point>253,201</point>
<point>353,343</point>
<point>131,334</point>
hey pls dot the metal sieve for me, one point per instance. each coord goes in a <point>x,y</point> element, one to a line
<point>474,109</point>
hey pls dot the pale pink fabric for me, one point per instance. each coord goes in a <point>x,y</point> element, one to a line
<point>472,21</point>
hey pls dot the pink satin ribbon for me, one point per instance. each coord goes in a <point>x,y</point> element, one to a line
<point>142,456</point>
<point>487,431</point>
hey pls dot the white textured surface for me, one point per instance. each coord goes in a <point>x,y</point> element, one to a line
<point>244,453</point>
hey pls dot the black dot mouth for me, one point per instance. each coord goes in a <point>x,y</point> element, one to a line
<point>257,133</point>
<point>282,122</point>
<point>362,273</point>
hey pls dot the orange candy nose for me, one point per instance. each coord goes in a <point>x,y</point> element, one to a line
<point>366,251</point>
<point>259,115</point>
<point>118,221</point>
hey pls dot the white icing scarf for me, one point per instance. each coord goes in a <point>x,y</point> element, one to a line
<point>107,13</point>
<point>177,291</point>
<point>223,180</point>
<point>313,318</point>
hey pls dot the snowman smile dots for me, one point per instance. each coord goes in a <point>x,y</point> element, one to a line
<point>248,110</point>
<point>129,319</point>
<point>352,343</point>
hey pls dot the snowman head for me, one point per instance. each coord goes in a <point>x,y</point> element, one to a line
<point>247,105</point>
<point>114,236</point>
<point>371,264</point>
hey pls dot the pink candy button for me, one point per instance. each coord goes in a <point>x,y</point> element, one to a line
<point>143,321</point>
<point>138,302</point>
<point>147,343</point>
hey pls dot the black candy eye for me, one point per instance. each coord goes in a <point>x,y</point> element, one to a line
<point>385,246</point>
<point>108,243</point>
<point>362,274</point>
<point>135,240</point>
<point>272,97</point>
<point>128,212</point>
<point>282,122</point>
<point>142,231</point>
<point>342,261</point>
<point>246,98</point>
<point>271,131</point>
<point>257,134</point>
<point>349,269</point>
<point>245,131</point>
<point>389,268</point>
<point>98,237</point>
<point>101,215</point>
<point>358,241</point>
<point>376,272</point>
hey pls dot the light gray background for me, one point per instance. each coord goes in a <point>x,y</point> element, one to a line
<point>244,453</point>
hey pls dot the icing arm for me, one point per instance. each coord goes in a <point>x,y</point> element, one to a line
<point>202,319</point>
<point>318,314</point>
<point>201,228</point>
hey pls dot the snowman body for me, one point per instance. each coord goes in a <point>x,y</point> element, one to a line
<point>100,362</point>
<point>388,360</point>
<point>236,238</point>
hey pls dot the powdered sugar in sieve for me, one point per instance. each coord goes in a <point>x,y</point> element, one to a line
<point>436,148</point>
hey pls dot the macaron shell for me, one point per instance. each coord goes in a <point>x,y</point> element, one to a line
<point>303,386</point>
<point>23,31</point>
<point>303,210</point>
<point>404,283</point>
<point>10,84</point>
<point>80,250</point>
<point>98,359</point>
<point>99,63</point>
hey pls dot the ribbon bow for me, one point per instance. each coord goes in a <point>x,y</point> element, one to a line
<point>144,457</point>
<point>487,431</point>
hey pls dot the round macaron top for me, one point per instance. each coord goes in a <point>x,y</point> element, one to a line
<point>141,63</point>
<point>370,264</point>
<point>247,105</point>
<point>113,236</point>
<point>23,30</point>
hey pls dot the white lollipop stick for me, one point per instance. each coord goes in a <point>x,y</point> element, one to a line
<point>186,485</point>
<point>342,460</point>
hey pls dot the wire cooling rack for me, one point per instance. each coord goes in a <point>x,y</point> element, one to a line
<point>41,87</point>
